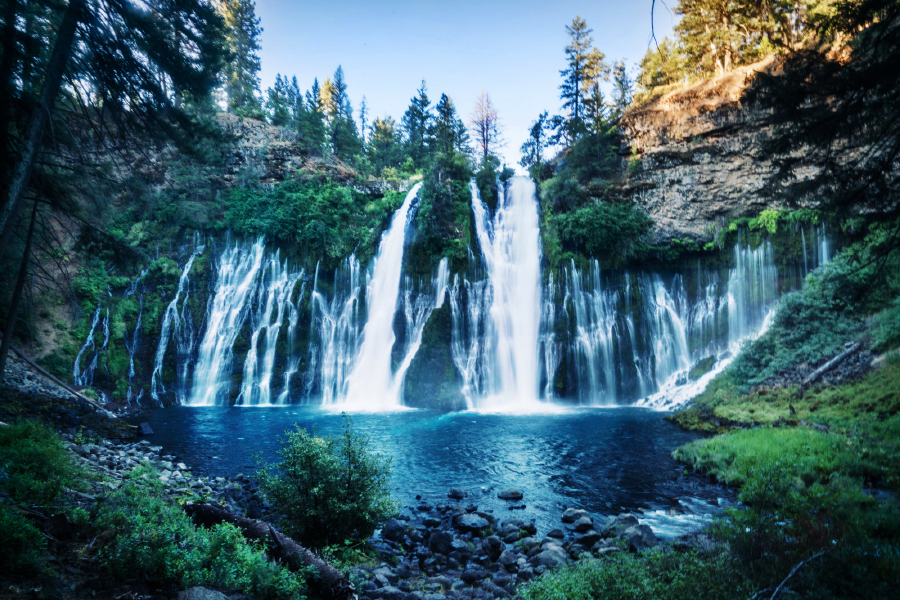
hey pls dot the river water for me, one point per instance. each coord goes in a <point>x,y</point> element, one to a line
<point>605,460</point>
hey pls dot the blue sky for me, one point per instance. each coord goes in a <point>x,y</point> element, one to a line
<point>511,50</point>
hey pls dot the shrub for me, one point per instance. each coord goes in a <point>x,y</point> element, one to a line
<point>602,229</point>
<point>157,541</point>
<point>658,573</point>
<point>21,544</point>
<point>330,489</point>
<point>36,465</point>
<point>886,332</point>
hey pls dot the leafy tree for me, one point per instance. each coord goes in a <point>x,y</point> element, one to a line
<point>485,125</point>
<point>416,124</point>
<point>578,54</point>
<point>242,75</point>
<point>327,100</point>
<point>330,489</point>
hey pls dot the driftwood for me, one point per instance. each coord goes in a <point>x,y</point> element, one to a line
<point>65,386</point>
<point>329,582</point>
<point>831,364</point>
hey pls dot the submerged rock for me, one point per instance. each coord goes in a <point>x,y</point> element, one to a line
<point>510,494</point>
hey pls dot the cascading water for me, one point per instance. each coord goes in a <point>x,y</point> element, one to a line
<point>87,376</point>
<point>179,327</point>
<point>273,304</point>
<point>131,345</point>
<point>371,384</point>
<point>495,345</point>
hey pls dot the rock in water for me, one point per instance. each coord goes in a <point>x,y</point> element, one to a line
<point>510,494</point>
<point>456,494</point>
<point>145,429</point>
<point>471,523</point>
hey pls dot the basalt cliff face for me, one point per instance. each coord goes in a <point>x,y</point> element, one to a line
<point>701,159</point>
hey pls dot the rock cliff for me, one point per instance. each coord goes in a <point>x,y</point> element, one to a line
<point>700,156</point>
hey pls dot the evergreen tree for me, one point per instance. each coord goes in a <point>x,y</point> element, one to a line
<point>385,148</point>
<point>295,102</point>
<point>623,90</point>
<point>575,75</point>
<point>242,74</point>
<point>279,102</point>
<point>327,99</point>
<point>661,66</point>
<point>340,100</point>
<point>363,119</point>
<point>596,71</point>
<point>311,126</point>
<point>533,148</point>
<point>447,130</point>
<point>416,126</point>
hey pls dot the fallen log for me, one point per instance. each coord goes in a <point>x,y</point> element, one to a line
<point>831,364</point>
<point>64,386</point>
<point>328,583</point>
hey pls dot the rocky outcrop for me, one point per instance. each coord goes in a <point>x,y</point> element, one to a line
<point>700,156</point>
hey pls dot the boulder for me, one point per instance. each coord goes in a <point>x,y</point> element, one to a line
<point>440,542</point>
<point>573,514</point>
<point>510,494</point>
<point>431,521</point>
<point>617,526</point>
<point>390,593</point>
<point>493,547</point>
<point>471,523</point>
<point>456,494</point>
<point>551,556</point>
<point>639,537</point>
<point>508,560</point>
<point>201,593</point>
<point>589,538</point>
<point>393,530</point>
<point>583,524</point>
<point>556,533</point>
<point>474,573</point>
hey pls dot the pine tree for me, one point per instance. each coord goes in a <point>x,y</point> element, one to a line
<point>596,71</point>
<point>623,90</point>
<point>340,100</point>
<point>416,125</point>
<point>363,119</point>
<point>312,127</point>
<point>385,149</point>
<point>278,103</point>
<point>447,130</point>
<point>574,77</point>
<point>661,66</point>
<point>533,148</point>
<point>242,75</point>
<point>327,100</point>
<point>295,102</point>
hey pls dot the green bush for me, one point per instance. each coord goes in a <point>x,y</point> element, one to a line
<point>21,544</point>
<point>886,330</point>
<point>604,229</point>
<point>330,489</point>
<point>36,465</point>
<point>157,541</point>
<point>658,573</point>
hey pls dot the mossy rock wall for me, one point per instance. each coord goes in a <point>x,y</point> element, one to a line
<point>431,381</point>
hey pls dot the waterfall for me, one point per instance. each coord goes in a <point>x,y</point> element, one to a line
<point>337,322</point>
<point>371,384</point>
<point>272,297</point>
<point>227,311</point>
<point>178,326</point>
<point>87,377</point>
<point>131,346</point>
<point>511,248</point>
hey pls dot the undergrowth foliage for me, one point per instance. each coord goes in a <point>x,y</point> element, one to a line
<point>330,489</point>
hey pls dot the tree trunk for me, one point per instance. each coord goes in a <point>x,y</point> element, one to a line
<point>329,582</point>
<point>7,67</point>
<point>17,295</point>
<point>34,133</point>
